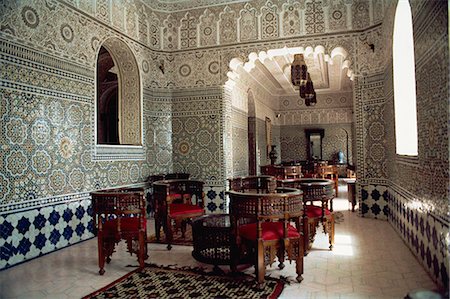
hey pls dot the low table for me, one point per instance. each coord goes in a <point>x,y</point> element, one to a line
<point>212,239</point>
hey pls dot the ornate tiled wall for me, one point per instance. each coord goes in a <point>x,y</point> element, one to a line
<point>418,193</point>
<point>425,233</point>
<point>47,165</point>
<point>294,143</point>
<point>48,54</point>
<point>197,130</point>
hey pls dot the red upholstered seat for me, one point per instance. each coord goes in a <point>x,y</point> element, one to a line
<point>315,211</point>
<point>127,225</point>
<point>182,208</point>
<point>270,231</point>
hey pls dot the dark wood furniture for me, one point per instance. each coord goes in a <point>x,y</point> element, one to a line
<point>315,190</point>
<point>351,192</point>
<point>212,239</point>
<point>261,226</point>
<point>329,172</point>
<point>120,215</point>
<point>258,184</point>
<point>177,202</point>
<point>282,171</point>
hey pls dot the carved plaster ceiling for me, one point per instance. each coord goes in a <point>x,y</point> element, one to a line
<point>180,5</point>
<point>271,70</point>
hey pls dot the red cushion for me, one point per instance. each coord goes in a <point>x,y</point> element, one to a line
<point>270,231</point>
<point>315,211</point>
<point>183,208</point>
<point>127,225</point>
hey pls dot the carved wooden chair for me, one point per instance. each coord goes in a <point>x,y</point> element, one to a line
<point>120,215</point>
<point>261,227</point>
<point>258,184</point>
<point>318,190</point>
<point>315,191</point>
<point>329,172</point>
<point>177,203</point>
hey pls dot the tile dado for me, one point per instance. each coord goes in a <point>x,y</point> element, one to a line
<point>426,235</point>
<point>34,232</point>
<point>374,201</point>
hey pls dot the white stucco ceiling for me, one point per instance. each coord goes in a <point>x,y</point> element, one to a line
<point>271,70</point>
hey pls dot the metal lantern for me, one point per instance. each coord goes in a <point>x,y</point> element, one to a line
<point>299,71</point>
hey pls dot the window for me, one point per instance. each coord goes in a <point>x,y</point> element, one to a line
<point>404,82</point>
<point>118,127</point>
<point>107,99</point>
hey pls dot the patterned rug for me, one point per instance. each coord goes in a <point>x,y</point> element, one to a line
<point>177,238</point>
<point>168,282</point>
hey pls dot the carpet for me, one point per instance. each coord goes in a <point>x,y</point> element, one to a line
<point>177,238</point>
<point>169,282</point>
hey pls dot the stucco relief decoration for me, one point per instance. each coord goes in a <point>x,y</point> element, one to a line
<point>248,23</point>
<point>117,12</point>
<point>228,25</point>
<point>291,18</point>
<point>314,19</point>
<point>378,9</point>
<point>170,31</point>
<point>269,21</point>
<point>188,32</point>
<point>208,29</point>
<point>131,19</point>
<point>102,10</point>
<point>338,13</point>
<point>67,33</point>
<point>143,26</point>
<point>360,11</point>
<point>154,31</point>
<point>30,17</point>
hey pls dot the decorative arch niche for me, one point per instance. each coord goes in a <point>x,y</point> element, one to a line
<point>118,125</point>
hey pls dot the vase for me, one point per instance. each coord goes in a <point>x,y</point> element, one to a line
<point>273,155</point>
<point>341,157</point>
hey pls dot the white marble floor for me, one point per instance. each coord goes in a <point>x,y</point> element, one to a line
<point>369,260</point>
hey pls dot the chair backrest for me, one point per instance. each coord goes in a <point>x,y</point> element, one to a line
<point>177,176</point>
<point>162,190</point>
<point>246,207</point>
<point>115,204</point>
<point>317,189</point>
<point>258,184</point>
<point>325,170</point>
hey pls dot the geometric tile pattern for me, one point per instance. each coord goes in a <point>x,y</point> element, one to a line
<point>34,232</point>
<point>374,201</point>
<point>426,234</point>
<point>294,143</point>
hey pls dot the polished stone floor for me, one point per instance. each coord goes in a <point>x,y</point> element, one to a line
<point>369,260</point>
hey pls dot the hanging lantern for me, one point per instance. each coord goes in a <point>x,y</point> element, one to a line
<point>299,71</point>
<point>301,78</point>
<point>309,88</point>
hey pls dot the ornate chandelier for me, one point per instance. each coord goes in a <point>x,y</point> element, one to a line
<point>301,78</point>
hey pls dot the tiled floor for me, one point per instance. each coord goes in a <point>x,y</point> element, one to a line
<point>369,260</point>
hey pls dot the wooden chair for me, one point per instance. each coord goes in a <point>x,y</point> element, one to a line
<point>282,171</point>
<point>261,227</point>
<point>315,190</point>
<point>318,190</point>
<point>258,184</point>
<point>314,216</point>
<point>120,215</point>
<point>177,203</point>
<point>329,172</point>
